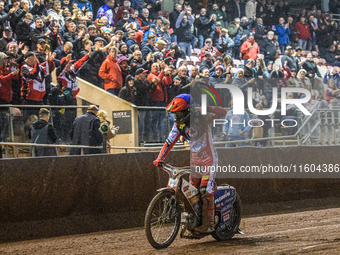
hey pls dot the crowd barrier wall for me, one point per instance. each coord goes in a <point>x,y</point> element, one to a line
<point>42,197</point>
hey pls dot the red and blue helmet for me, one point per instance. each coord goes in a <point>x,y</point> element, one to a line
<point>179,103</point>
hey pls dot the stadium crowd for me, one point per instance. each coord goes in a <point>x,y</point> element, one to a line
<point>135,50</point>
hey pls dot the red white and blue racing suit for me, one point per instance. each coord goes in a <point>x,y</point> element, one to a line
<point>202,149</point>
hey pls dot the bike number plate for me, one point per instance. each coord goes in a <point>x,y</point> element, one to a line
<point>173,183</point>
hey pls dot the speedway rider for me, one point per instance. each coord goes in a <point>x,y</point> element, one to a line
<point>203,152</point>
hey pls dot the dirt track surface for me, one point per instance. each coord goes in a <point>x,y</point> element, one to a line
<point>309,232</point>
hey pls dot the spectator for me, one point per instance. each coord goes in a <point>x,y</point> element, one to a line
<point>18,12</point>
<point>142,87</point>
<point>216,34</point>
<point>324,39</point>
<point>150,47</point>
<point>310,66</point>
<point>173,19</point>
<point>75,37</point>
<point>56,13</point>
<point>33,83</point>
<point>107,11</point>
<point>218,76</point>
<point>234,129</point>
<point>84,5</point>
<point>304,82</point>
<point>128,92</point>
<point>303,30</point>
<point>144,20</point>
<point>235,10</point>
<point>208,48</point>
<point>226,44</point>
<point>270,48</point>
<point>111,72</point>
<point>283,33</point>
<point>124,67</point>
<point>85,131</point>
<point>237,35</point>
<point>6,15</point>
<point>207,63</point>
<point>163,33</point>
<point>281,9</point>
<point>184,34</point>
<point>62,52</point>
<point>123,21</point>
<point>6,76</point>
<point>288,59</point>
<point>7,37</point>
<point>251,9</point>
<point>138,5</point>
<point>38,32</point>
<point>220,15</point>
<point>43,132</point>
<point>204,25</point>
<point>332,93</point>
<point>23,30</point>
<point>332,74</point>
<point>260,34</point>
<point>313,28</point>
<point>250,49</point>
<point>125,9</point>
<point>134,19</point>
<point>249,69</point>
<point>137,62</point>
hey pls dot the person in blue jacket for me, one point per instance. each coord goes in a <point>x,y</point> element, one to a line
<point>283,33</point>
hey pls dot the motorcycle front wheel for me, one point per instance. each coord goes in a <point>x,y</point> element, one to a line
<point>162,220</point>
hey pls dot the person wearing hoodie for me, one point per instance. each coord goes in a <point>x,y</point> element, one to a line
<point>234,128</point>
<point>250,49</point>
<point>124,67</point>
<point>128,92</point>
<point>111,73</point>
<point>43,132</point>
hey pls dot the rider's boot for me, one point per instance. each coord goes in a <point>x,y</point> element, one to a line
<point>208,214</point>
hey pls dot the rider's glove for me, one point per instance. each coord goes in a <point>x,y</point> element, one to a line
<point>156,162</point>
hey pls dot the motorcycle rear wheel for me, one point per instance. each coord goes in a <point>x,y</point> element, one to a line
<point>162,220</point>
<point>231,230</point>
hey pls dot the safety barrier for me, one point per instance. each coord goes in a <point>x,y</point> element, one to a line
<point>42,197</point>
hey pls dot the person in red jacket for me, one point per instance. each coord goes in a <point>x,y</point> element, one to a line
<point>111,72</point>
<point>250,48</point>
<point>5,80</point>
<point>5,94</point>
<point>159,97</point>
<point>33,83</point>
<point>303,31</point>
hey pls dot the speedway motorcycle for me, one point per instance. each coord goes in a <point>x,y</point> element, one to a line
<point>178,207</point>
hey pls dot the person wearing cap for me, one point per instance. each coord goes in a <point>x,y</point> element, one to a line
<point>107,11</point>
<point>7,37</point>
<point>216,34</point>
<point>220,15</point>
<point>225,44</point>
<point>85,131</point>
<point>42,132</point>
<point>23,30</point>
<point>250,48</point>
<point>289,60</point>
<point>111,73</point>
<point>283,33</point>
<point>123,21</point>
<point>124,10</point>
<point>34,76</point>
<point>207,63</point>
<point>142,86</point>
